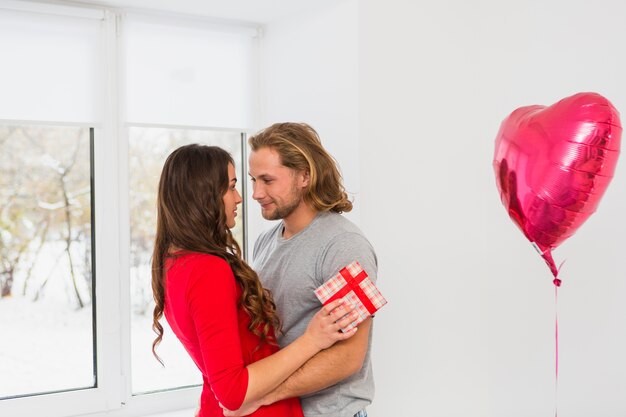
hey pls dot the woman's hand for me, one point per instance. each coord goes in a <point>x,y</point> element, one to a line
<point>244,411</point>
<point>323,329</point>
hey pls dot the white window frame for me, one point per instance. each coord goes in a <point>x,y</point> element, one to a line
<point>113,395</point>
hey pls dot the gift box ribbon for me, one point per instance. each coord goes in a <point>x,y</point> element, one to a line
<point>352,284</point>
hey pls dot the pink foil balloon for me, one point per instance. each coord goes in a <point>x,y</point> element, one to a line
<point>553,164</point>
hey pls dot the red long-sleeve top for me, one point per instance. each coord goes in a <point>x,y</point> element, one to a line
<point>201,307</point>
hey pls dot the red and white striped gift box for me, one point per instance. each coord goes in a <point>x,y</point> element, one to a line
<point>353,285</point>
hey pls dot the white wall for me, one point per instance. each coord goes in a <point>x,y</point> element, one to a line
<point>309,67</point>
<point>470,325</point>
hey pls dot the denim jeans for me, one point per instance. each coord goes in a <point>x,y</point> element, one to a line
<point>361,413</point>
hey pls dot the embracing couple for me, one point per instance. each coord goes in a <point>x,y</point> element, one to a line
<point>262,340</point>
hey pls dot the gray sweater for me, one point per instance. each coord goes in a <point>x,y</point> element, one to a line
<point>292,269</point>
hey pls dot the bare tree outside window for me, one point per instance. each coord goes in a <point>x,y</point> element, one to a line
<point>45,259</point>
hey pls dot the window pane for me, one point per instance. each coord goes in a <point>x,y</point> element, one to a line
<point>148,149</point>
<point>46,279</point>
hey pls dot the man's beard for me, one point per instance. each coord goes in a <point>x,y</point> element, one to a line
<point>284,211</point>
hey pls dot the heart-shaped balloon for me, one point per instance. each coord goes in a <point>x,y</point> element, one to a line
<point>553,164</point>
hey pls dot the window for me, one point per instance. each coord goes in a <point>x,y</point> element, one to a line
<point>51,120</point>
<point>93,102</point>
<point>46,272</point>
<point>183,79</point>
<point>148,148</point>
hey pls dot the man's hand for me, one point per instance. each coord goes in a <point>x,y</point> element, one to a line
<point>244,411</point>
<point>328,367</point>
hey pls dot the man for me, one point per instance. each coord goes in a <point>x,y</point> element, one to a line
<point>296,181</point>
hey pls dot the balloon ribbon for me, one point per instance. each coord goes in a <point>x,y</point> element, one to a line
<point>557,284</point>
<point>556,345</point>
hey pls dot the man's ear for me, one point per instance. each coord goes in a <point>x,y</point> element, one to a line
<point>306,178</point>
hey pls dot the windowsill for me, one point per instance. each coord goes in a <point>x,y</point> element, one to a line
<point>180,413</point>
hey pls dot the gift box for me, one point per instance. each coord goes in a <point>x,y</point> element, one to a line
<point>354,286</point>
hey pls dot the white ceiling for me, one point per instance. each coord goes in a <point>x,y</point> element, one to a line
<point>255,11</point>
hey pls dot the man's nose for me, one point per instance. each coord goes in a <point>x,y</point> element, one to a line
<point>257,192</point>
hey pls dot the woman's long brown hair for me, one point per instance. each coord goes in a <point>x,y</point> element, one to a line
<point>191,217</point>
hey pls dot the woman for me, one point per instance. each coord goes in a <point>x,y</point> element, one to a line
<point>213,300</point>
